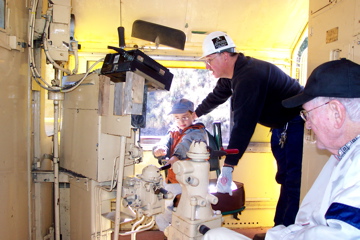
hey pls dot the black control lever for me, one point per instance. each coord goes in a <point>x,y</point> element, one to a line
<point>167,166</point>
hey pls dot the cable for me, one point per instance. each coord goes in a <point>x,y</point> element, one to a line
<point>113,178</point>
<point>35,73</point>
<point>65,90</point>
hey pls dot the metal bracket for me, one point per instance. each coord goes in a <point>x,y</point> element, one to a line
<point>48,176</point>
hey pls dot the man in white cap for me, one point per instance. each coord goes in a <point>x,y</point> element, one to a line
<point>331,208</point>
<point>256,89</point>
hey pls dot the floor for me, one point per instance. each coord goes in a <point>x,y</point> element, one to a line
<point>158,235</point>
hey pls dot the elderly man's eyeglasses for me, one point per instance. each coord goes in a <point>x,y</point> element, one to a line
<point>209,60</point>
<point>305,114</point>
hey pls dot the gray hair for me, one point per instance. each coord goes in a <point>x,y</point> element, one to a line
<point>352,106</point>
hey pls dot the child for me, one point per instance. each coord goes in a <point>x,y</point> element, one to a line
<point>176,143</point>
<point>174,146</point>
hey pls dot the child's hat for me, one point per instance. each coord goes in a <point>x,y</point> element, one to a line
<point>182,106</point>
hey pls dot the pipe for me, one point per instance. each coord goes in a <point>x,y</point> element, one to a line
<point>134,229</point>
<point>119,185</point>
<point>98,204</point>
<point>137,223</point>
<point>143,228</point>
<point>56,171</point>
<point>193,204</point>
<point>28,157</point>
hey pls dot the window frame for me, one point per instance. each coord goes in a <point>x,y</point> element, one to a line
<point>3,15</point>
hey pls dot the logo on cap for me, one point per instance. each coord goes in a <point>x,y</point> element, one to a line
<point>219,42</point>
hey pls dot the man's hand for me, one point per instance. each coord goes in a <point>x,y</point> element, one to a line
<point>224,181</point>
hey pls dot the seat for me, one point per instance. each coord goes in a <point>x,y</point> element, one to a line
<point>227,204</point>
<point>259,236</point>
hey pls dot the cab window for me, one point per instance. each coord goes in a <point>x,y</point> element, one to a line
<point>189,83</point>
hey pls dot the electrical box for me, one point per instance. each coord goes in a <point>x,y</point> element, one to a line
<point>90,133</point>
<point>58,41</point>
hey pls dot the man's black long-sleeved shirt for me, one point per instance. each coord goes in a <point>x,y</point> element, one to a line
<point>257,90</point>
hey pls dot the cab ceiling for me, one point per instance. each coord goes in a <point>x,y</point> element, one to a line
<point>256,26</point>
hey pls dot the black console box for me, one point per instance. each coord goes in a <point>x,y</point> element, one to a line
<point>117,64</point>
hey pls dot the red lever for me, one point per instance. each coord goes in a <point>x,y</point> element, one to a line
<point>230,151</point>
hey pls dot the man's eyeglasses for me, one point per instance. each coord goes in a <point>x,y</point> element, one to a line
<point>209,60</point>
<point>305,114</point>
<point>181,119</point>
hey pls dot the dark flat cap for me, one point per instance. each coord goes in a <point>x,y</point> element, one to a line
<point>338,78</point>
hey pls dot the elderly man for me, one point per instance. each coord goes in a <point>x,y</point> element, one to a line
<point>331,209</point>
